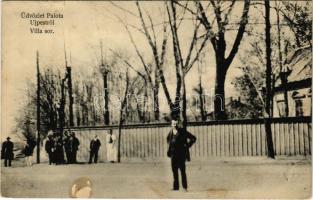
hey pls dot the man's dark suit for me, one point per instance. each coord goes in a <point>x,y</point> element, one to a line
<point>7,152</point>
<point>94,148</point>
<point>74,143</point>
<point>49,149</point>
<point>178,151</point>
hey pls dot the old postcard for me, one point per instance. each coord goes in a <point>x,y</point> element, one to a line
<point>156,99</point>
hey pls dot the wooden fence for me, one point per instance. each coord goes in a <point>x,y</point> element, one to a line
<point>233,138</point>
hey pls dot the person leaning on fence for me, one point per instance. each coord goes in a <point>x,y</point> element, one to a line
<point>7,152</point>
<point>94,148</point>
<point>49,147</point>
<point>179,141</point>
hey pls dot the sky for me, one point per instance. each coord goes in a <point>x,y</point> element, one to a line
<point>83,25</point>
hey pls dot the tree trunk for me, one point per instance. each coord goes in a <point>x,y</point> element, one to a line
<point>123,104</point>
<point>78,119</point>
<point>62,114</point>
<point>70,94</point>
<point>94,112</point>
<point>156,104</point>
<point>219,98</point>
<point>283,76</point>
<point>140,115</point>
<point>183,103</point>
<point>119,136</point>
<point>84,123</point>
<point>156,90</point>
<point>219,45</point>
<point>140,107</point>
<point>61,108</point>
<point>202,108</point>
<point>144,112</point>
<point>106,99</point>
<point>268,80</point>
<point>38,109</point>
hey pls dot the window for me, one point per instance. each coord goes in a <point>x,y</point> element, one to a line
<point>281,108</point>
<point>299,107</point>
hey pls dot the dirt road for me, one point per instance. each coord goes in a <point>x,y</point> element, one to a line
<point>255,178</point>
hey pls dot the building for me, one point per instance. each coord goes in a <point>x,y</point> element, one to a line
<point>295,82</point>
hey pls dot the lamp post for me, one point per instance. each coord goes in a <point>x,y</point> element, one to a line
<point>38,108</point>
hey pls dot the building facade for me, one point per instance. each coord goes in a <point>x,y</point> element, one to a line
<point>297,87</point>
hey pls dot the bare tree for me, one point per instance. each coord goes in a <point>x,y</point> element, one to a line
<point>104,69</point>
<point>61,109</point>
<point>158,59</point>
<point>130,83</point>
<point>183,65</point>
<point>283,75</point>
<point>153,74</point>
<point>200,91</point>
<point>222,12</point>
<point>121,119</point>
<point>144,89</point>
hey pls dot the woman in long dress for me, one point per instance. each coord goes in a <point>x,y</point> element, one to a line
<point>111,144</point>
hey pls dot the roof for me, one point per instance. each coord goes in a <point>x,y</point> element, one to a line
<point>295,85</point>
<point>299,63</point>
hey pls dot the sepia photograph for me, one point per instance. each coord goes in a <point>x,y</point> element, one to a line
<point>203,99</point>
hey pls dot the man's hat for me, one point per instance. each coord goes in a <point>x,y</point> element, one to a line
<point>8,138</point>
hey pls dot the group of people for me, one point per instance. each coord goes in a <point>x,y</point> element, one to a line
<point>110,148</point>
<point>56,145</point>
<point>179,141</point>
<point>7,151</point>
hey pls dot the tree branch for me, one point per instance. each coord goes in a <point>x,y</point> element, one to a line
<point>204,20</point>
<point>241,30</point>
<point>158,63</point>
<point>176,50</point>
<point>198,54</point>
<point>193,42</point>
<point>229,11</point>
<point>128,64</point>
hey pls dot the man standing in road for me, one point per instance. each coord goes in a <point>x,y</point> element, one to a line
<point>94,148</point>
<point>7,152</point>
<point>179,141</point>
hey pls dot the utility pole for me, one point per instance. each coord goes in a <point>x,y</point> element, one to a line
<point>38,108</point>
<point>70,93</point>
<point>70,88</point>
<point>268,118</point>
<point>104,69</point>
